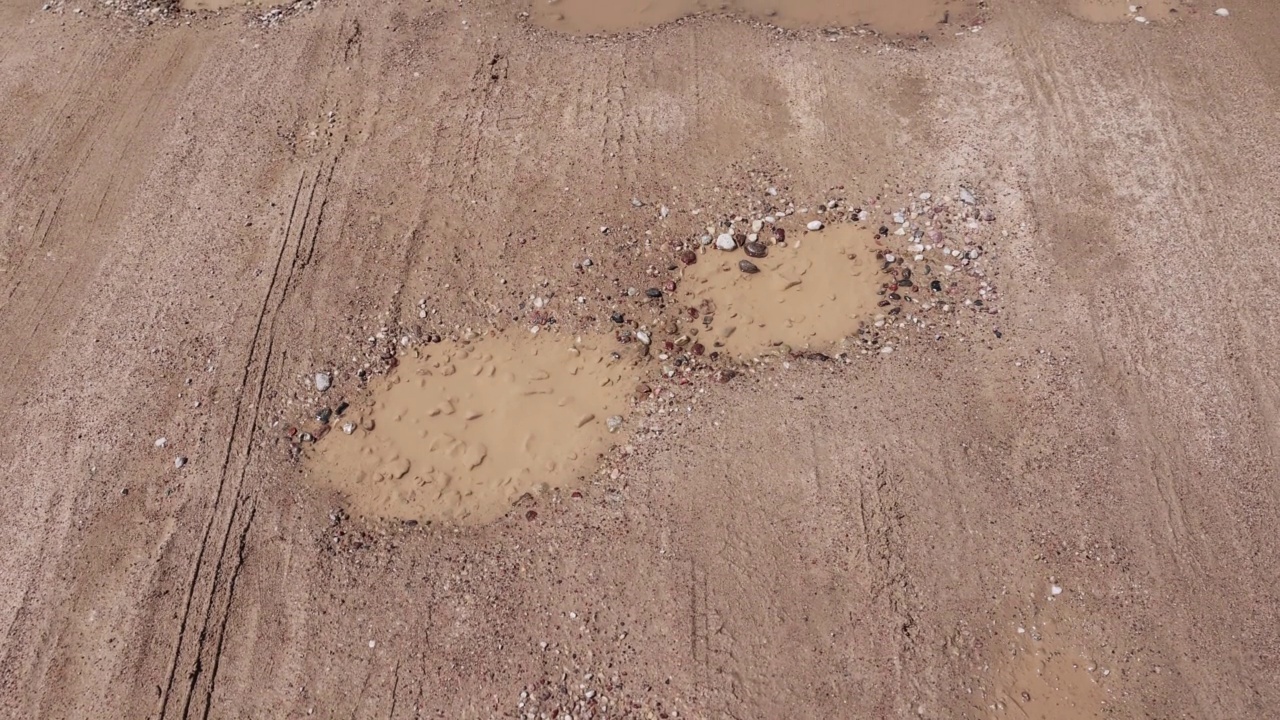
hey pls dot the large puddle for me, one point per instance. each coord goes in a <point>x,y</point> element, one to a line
<point>809,291</point>
<point>463,430</point>
<point>891,17</point>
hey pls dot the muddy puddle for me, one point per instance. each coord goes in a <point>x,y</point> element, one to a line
<point>807,291</point>
<point>462,430</point>
<point>1115,11</point>
<point>891,17</point>
<point>1044,677</point>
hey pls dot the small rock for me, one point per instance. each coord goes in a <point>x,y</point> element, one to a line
<point>1222,12</point>
<point>643,337</point>
<point>664,212</point>
<point>756,249</point>
<point>815,225</point>
<point>688,257</point>
<point>323,415</point>
<point>967,197</point>
<point>724,241</point>
<point>348,427</point>
<point>161,442</point>
<point>1055,590</point>
<point>739,239</point>
<point>613,422</point>
<point>618,318</point>
<point>779,235</point>
<point>653,293</point>
<point>179,461</point>
<point>748,267</point>
<point>323,381</point>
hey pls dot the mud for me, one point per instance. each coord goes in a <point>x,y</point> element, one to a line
<point>899,17</point>
<point>464,429</point>
<point>810,292</point>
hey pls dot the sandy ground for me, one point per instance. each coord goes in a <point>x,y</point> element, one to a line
<point>201,212</point>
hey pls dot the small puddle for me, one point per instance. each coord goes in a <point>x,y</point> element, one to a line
<point>808,292</point>
<point>1046,679</point>
<point>463,430</point>
<point>891,17</point>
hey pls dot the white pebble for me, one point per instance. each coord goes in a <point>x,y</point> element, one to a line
<point>1056,590</point>
<point>323,381</point>
<point>161,442</point>
<point>815,225</point>
<point>724,241</point>
<point>179,461</point>
<point>643,337</point>
<point>1222,12</point>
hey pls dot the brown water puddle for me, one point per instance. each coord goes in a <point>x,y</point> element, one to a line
<point>891,17</point>
<point>810,292</point>
<point>1115,11</point>
<point>1045,678</point>
<point>463,430</point>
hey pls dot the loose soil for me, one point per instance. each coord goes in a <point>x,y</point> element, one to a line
<point>902,17</point>
<point>1064,419</point>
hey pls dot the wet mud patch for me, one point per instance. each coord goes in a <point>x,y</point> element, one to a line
<point>1042,675</point>
<point>798,290</point>
<point>460,430</point>
<point>889,17</point>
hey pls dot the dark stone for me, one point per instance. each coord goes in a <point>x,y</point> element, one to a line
<point>756,249</point>
<point>936,286</point>
<point>653,293</point>
<point>342,407</point>
<point>324,414</point>
<point>748,267</point>
<point>779,235</point>
<point>739,239</point>
<point>618,318</point>
<point>884,230</point>
<point>688,257</point>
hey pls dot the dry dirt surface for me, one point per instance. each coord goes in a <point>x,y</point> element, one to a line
<point>1059,503</point>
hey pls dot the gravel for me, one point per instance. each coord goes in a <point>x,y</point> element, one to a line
<point>323,381</point>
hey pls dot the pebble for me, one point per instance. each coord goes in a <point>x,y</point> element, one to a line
<point>899,218</point>
<point>653,293</point>
<point>1222,12</point>
<point>161,442</point>
<point>664,212</point>
<point>323,381</point>
<point>179,461</point>
<point>613,422</point>
<point>643,337</point>
<point>348,427</point>
<point>967,197</point>
<point>815,225</point>
<point>725,242</point>
<point>748,267</point>
<point>688,257</point>
<point>756,249</point>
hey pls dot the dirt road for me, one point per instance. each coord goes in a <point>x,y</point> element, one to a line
<point>1074,518</point>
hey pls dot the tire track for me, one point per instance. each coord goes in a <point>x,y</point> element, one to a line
<point>233,439</point>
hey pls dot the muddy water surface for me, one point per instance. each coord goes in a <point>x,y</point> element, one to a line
<point>463,430</point>
<point>809,292</point>
<point>894,17</point>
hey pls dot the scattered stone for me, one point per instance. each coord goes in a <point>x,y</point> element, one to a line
<point>688,257</point>
<point>1222,12</point>
<point>724,241</point>
<point>748,267</point>
<point>643,337</point>
<point>613,422</point>
<point>815,225</point>
<point>756,249</point>
<point>967,197</point>
<point>179,461</point>
<point>653,293</point>
<point>618,318</point>
<point>323,416</point>
<point>323,381</point>
<point>739,239</point>
<point>161,442</point>
<point>348,427</point>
